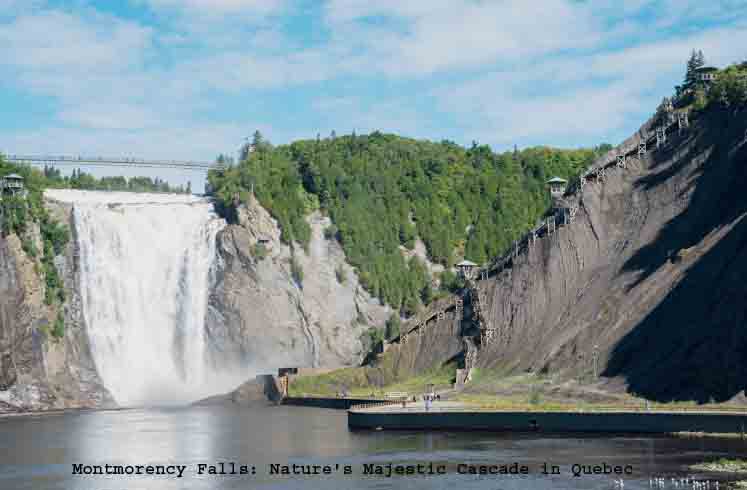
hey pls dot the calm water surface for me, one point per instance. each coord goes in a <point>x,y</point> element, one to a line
<point>39,452</point>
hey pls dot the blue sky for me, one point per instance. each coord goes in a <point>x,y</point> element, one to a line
<point>188,79</point>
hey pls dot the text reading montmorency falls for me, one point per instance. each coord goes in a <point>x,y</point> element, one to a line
<point>380,470</point>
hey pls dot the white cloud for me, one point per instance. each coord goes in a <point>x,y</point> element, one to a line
<point>585,97</point>
<point>184,142</point>
<point>438,36</point>
<point>504,69</point>
<point>111,116</point>
<point>213,8</point>
<point>52,40</point>
<point>95,66</point>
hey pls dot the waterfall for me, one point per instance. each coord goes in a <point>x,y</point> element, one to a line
<point>145,267</point>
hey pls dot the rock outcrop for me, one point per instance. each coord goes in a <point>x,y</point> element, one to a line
<point>38,371</point>
<point>261,314</point>
<point>262,391</point>
<point>646,287</point>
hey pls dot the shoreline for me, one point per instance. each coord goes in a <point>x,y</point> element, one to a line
<point>61,411</point>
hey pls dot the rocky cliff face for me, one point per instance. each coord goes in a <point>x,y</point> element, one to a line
<point>260,315</point>
<point>38,371</point>
<point>648,279</point>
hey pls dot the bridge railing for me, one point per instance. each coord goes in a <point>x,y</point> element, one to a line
<point>98,160</point>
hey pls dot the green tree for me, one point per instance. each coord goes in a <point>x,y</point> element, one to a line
<point>392,327</point>
<point>696,61</point>
<point>58,331</point>
<point>729,90</point>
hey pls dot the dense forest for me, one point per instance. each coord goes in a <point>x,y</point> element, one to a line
<point>383,192</point>
<point>85,181</point>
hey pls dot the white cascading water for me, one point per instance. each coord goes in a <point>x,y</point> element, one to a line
<point>145,263</point>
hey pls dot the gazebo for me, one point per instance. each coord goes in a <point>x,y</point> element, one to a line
<point>557,186</point>
<point>12,184</point>
<point>706,74</point>
<point>466,269</point>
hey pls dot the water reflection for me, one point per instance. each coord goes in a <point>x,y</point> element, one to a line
<point>38,452</point>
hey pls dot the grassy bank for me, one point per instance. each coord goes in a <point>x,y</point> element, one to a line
<point>365,381</point>
<point>723,465</point>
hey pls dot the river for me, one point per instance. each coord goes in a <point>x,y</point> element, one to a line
<point>39,452</point>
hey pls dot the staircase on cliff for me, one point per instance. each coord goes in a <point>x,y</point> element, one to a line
<point>608,286</point>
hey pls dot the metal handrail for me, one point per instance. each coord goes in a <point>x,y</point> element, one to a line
<point>602,409</point>
<point>115,161</point>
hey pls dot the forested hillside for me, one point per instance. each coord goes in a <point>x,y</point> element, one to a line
<point>383,191</point>
<point>85,181</point>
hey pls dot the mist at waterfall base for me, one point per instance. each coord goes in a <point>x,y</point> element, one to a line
<point>146,264</point>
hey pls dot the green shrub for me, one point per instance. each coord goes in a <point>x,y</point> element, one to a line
<point>375,336</point>
<point>15,214</point>
<point>297,272</point>
<point>28,246</point>
<point>58,331</point>
<point>392,327</point>
<point>450,281</point>
<point>55,233</point>
<point>54,290</point>
<point>331,232</point>
<point>730,88</point>
<point>259,251</point>
<point>535,395</point>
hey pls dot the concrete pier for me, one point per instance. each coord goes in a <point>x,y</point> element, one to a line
<point>334,403</point>
<point>591,422</point>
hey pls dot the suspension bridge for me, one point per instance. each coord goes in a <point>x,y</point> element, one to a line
<point>97,161</point>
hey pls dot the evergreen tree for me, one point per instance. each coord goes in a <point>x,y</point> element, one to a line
<point>393,324</point>
<point>697,60</point>
<point>257,139</point>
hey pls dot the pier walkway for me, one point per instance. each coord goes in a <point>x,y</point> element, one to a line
<point>456,417</point>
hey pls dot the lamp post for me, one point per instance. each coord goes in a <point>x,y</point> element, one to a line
<point>595,357</point>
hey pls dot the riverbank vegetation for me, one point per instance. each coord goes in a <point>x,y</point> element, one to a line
<point>384,192</point>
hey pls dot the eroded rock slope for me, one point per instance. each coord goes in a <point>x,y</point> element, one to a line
<point>649,279</point>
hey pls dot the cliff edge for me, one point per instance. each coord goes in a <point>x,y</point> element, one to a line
<point>39,370</point>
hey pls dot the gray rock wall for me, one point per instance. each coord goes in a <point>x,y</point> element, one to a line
<point>38,372</point>
<point>644,280</point>
<point>260,316</point>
